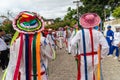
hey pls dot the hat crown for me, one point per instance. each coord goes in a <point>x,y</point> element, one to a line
<point>89,20</point>
<point>89,17</point>
<point>28,22</point>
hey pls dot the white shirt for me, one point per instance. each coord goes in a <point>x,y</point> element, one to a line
<point>3,45</point>
<point>98,38</point>
<point>116,39</point>
<point>51,39</point>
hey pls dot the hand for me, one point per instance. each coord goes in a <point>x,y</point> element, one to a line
<point>118,45</point>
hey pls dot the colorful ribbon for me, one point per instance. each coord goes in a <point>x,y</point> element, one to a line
<point>4,75</point>
<point>19,58</point>
<point>14,37</point>
<point>30,55</point>
<point>34,58</point>
<point>38,55</point>
<point>27,56</point>
<point>85,58</point>
<point>92,46</point>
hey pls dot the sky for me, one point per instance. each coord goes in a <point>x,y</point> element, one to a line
<point>49,9</point>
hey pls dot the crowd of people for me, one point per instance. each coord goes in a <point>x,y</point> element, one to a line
<point>32,46</point>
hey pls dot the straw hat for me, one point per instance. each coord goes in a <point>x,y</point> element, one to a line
<point>89,20</point>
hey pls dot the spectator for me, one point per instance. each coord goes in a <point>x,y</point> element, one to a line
<point>109,38</point>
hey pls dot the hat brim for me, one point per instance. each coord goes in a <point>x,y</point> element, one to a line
<point>86,24</point>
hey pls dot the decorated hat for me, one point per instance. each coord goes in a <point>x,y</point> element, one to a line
<point>89,20</point>
<point>28,22</point>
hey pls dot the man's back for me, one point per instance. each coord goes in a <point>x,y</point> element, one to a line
<point>98,39</point>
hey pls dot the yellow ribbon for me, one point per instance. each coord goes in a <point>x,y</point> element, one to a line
<point>99,59</point>
<point>4,75</point>
<point>14,37</point>
<point>38,55</point>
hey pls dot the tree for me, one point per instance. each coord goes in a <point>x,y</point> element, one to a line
<point>7,26</point>
<point>71,17</point>
<point>116,12</point>
<point>57,19</point>
<point>101,7</point>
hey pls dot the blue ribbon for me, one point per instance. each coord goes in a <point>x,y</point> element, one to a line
<point>85,58</point>
<point>27,56</point>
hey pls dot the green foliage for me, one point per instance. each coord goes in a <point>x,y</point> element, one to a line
<point>96,6</point>
<point>57,20</point>
<point>70,14</point>
<point>7,26</point>
<point>116,12</point>
<point>56,25</point>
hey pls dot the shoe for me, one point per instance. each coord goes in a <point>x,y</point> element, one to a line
<point>69,53</point>
<point>115,57</point>
<point>110,55</point>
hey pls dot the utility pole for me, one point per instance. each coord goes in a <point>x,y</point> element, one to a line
<point>77,4</point>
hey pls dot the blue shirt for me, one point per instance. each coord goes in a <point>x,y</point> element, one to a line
<point>110,35</point>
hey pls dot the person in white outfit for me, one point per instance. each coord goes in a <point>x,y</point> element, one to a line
<point>115,43</point>
<point>29,50</point>
<point>88,40</point>
<point>60,35</point>
<point>51,38</point>
<point>68,35</point>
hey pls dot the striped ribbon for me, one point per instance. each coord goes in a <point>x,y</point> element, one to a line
<point>16,73</point>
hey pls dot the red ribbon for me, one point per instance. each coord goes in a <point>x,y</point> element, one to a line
<point>16,73</point>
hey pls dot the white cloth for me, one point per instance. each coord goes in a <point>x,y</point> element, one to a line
<point>60,33</point>
<point>116,39</point>
<point>3,45</point>
<point>51,39</point>
<point>71,37</point>
<point>14,50</point>
<point>98,39</point>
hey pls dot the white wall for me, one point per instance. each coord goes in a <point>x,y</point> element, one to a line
<point>112,23</point>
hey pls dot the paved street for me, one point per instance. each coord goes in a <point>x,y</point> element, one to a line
<point>64,68</point>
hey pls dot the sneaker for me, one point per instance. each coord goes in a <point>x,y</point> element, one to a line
<point>115,57</point>
<point>110,55</point>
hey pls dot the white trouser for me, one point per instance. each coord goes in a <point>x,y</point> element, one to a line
<point>61,41</point>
